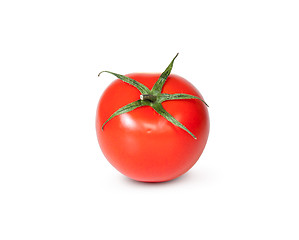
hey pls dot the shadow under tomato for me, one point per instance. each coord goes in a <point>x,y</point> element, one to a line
<point>185,178</point>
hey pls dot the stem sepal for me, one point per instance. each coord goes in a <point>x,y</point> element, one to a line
<point>153,98</point>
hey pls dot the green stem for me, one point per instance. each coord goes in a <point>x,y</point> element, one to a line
<point>148,97</point>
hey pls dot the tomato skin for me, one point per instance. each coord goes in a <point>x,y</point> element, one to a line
<point>143,145</point>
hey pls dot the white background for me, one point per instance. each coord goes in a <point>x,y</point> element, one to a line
<point>243,57</point>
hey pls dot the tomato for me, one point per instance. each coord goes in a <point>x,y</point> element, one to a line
<point>144,145</point>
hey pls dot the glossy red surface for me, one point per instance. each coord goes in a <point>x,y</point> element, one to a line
<point>142,144</point>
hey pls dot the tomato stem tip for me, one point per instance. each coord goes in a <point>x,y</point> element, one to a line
<point>148,97</point>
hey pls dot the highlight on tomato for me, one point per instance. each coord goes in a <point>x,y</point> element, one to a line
<point>152,127</point>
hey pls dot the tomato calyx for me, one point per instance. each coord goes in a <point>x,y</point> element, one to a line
<point>153,97</point>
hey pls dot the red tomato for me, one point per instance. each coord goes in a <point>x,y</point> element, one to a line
<point>142,144</point>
